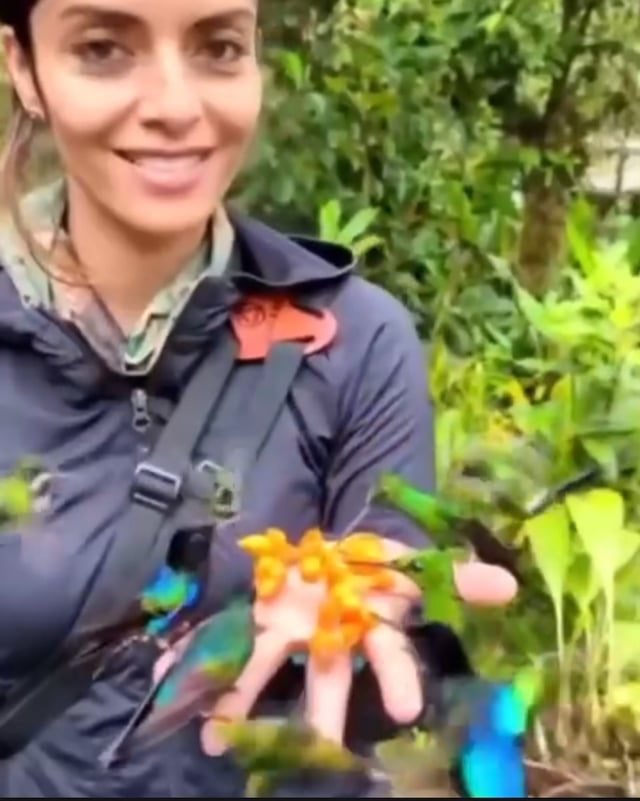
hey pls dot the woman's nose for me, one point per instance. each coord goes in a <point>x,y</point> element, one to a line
<point>170,94</point>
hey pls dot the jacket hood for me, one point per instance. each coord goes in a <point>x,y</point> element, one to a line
<point>277,261</point>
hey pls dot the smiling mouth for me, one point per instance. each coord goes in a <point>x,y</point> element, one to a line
<point>164,161</point>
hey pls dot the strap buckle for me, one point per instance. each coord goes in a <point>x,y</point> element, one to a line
<point>155,487</point>
<point>225,491</point>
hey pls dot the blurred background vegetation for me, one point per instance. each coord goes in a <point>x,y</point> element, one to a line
<point>482,157</point>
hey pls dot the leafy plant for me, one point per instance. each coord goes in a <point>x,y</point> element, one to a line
<point>354,233</point>
<point>553,412</point>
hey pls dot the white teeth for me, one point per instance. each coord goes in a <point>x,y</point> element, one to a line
<point>167,163</point>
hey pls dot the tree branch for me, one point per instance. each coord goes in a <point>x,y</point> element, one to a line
<point>573,35</point>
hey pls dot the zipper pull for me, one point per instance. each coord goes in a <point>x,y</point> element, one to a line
<point>140,406</point>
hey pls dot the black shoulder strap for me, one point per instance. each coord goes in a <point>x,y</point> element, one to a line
<point>133,560</point>
<point>136,557</point>
<point>156,491</point>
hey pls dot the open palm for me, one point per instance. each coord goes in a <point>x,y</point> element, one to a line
<point>288,621</point>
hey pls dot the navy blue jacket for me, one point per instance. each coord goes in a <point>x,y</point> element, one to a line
<point>357,408</point>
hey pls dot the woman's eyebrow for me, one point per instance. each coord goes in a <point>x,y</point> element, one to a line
<point>102,14</point>
<point>121,18</point>
<point>227,18</point>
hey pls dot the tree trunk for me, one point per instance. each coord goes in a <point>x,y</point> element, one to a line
<point>542,235</point>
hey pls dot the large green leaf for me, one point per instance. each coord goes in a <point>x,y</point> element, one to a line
<point>549,537</point>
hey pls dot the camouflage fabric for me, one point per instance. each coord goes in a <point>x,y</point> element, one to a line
<point>134,353</point>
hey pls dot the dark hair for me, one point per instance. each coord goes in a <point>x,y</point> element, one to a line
<point>20,136</point>
<point>16,14</point>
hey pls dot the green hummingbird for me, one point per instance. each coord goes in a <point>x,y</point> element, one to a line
<point>216,653</point>
<point>445,522</point>
<point>432,570</point>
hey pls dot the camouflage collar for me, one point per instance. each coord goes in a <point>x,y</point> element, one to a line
<point>137,352</point>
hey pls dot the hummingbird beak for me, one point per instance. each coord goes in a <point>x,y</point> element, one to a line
<point>370,563</point>
<point>393,624</point>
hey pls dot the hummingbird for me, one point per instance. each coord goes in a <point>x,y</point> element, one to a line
<point>432,571</point>
<point>484,723</point>
<point>19,493</point>
<point>216,653</point>
<point>478,724</point>
<point>272,752</point>
<point>449,523</point>
<point>170,593</point>
<point>445,522</point>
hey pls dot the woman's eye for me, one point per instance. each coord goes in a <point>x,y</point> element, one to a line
<point>224,51</point>
<point>100,51</point>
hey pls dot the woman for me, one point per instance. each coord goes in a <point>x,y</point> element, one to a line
<point>115,285</point>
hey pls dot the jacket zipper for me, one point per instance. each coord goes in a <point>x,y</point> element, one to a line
<point>141,419</point>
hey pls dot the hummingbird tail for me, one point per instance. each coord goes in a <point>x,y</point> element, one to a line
<point>490,549</point>
<point>197,695</point>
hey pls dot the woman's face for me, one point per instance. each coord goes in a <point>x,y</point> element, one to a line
<point>152,103</point>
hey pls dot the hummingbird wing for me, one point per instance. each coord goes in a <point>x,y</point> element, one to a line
<point>217,652</point>
<point>196,694</point>
<point>416,767</point>
<point>273,751</point>
<point>489,548</point>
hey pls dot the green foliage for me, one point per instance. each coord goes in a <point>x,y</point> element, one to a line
<point>463,123</point>
<point>556,400</point>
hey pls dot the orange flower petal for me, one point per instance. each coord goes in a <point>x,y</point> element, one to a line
<point>352,635</point>
<point>329,614</point>
<point>312,540</point>
<point>354,615</point>
<point>269,568</point>
<point>335,568</point>
<point>344,595</point>
<point>268,588</point>
<point>364,618</point>
<point>265,565</point>
<point>381,580</point>
<point>311,568</point>
<point>280,545</point>
<point>277,538</point>
<point>365,546</point>
<point>325,643</point>
<point>255,544</point>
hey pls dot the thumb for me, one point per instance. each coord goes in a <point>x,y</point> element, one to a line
<point>484,585</point>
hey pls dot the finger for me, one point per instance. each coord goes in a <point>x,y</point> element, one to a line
<point>484,585</point>
<point>269,654</point>
<point>327,690</point>
<point>392,660</point>
<point>477,582</point>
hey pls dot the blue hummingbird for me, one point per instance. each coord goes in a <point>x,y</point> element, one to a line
<point>480,724</point>
<point>486,722</point>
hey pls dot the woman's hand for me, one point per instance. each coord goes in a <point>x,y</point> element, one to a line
<point>289,619</point>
